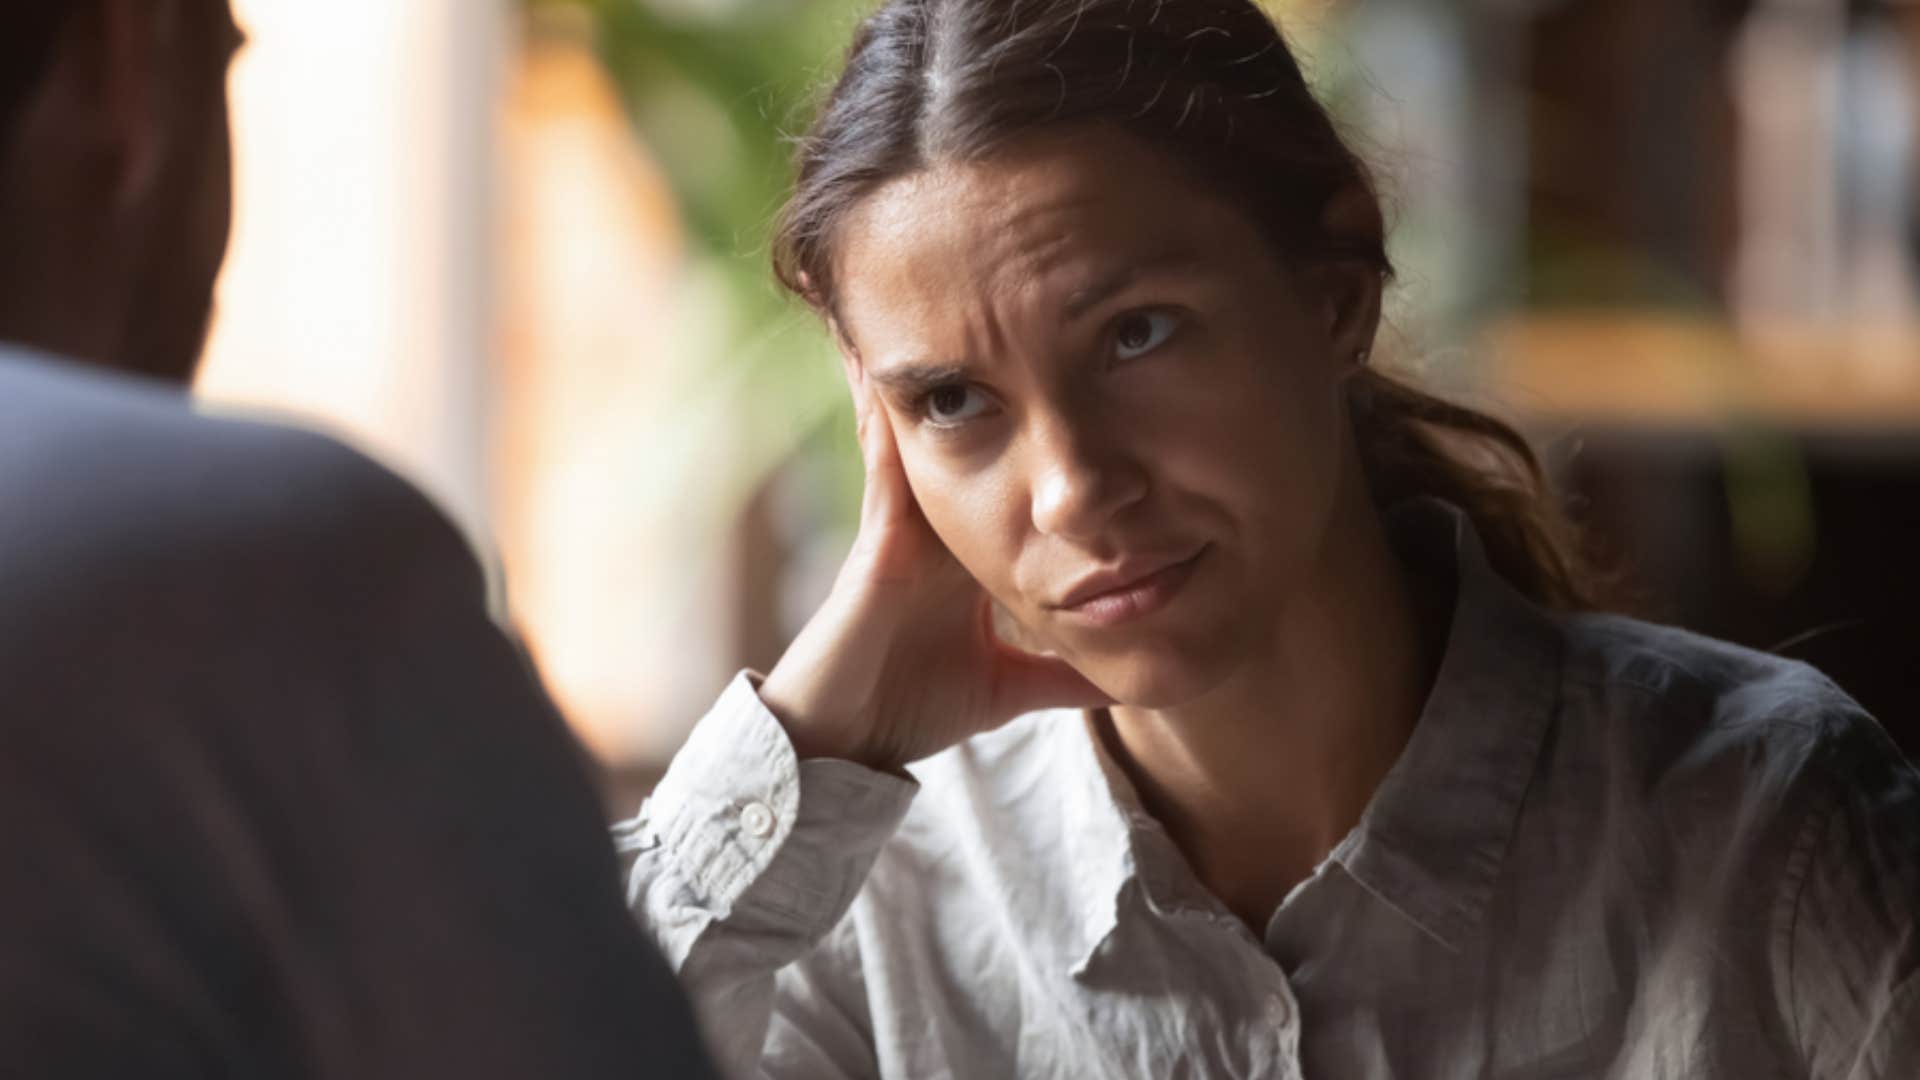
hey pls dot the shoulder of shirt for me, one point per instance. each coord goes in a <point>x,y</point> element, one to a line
<point>112,468</point>
<point>1761,763</point>
<point>1626,654</point>
<point>1685,706</point>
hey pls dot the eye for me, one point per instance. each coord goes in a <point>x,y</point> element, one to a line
<point>1140,332</point>
<point>952,405</point>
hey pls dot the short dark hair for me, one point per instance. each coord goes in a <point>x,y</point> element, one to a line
<point>28,34</point>
<point>30,37</point>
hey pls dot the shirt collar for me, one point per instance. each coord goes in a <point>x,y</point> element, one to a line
<point>13,352</point>
<point>1432,839</point>
<point>1103,830</point>
<point>1117,853</point>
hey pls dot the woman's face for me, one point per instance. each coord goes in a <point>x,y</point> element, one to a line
<point>1115,406</point>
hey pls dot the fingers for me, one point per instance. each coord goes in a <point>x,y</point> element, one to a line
<point>887,498</point>
<point>1027,683</point>
<point>895,543</point>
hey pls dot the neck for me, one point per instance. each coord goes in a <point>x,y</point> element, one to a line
<point>64,338</point>
<point>1260,779</point>
<point>60,287</point>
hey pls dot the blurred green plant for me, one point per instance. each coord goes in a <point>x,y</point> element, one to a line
<point>716,89</point>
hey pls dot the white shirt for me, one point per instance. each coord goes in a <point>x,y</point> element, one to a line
<point>1609,849</point>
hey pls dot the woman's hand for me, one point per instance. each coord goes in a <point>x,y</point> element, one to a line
<point>901,661</point>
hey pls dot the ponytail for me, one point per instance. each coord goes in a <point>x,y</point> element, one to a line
<point>1414,444</point>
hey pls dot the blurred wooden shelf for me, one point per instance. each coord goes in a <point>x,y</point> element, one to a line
<point>1649,371</point>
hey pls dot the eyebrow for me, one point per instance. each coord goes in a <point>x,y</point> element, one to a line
<point>915,379</point>
<point>1105,287</point>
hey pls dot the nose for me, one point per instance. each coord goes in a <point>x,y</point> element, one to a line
<point>1082,482</point>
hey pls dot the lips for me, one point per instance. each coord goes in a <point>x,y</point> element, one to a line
<point>1133,587</point>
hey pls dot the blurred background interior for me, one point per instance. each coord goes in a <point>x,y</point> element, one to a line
<point>517,249</point>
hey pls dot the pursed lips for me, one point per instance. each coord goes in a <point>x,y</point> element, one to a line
<point>1129,573</point>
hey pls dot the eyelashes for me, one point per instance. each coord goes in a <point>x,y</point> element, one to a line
<point>947,405</point>
<point>1137,333</point>
<point>1132,334</point>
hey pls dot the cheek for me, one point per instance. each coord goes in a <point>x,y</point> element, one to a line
<point>1253,435</point>
<point>1291,448</point>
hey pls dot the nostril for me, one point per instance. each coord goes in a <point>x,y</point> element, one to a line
<point>1082,505</point>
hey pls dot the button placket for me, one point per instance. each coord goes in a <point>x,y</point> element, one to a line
<point>1285,1011</point>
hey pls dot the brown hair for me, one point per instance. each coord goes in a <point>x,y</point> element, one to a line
<point>1213,83</point>
<point>31,35</point>
<point>28,34</point>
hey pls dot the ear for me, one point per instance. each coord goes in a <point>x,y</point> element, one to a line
<point>100,103</point>
<point>1349,288</point>
<point>1349,297</point>
<point>150,67</point>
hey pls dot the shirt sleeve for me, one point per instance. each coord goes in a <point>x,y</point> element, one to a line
<point>1853,934</point>
<point>740,865</point>
<point>1894,1043</point>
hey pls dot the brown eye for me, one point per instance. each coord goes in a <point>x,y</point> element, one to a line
<point>1140,332</point>
<point>953,404</point>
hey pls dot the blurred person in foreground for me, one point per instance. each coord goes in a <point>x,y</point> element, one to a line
<point>277,798</point>
<point>1303,752</point>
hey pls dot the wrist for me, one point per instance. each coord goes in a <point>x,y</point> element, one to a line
<point>818,729</point>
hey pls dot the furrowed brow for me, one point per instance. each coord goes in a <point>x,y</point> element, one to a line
<point>1108,285</point>
<point>914,379</point>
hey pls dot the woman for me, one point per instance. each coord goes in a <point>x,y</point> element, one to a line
<point>1307,762</point>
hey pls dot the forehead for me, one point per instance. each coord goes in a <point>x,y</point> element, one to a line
<point>1035,212</point>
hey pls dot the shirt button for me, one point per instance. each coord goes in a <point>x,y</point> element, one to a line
<point>757,820</point>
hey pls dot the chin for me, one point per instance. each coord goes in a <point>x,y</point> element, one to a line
<point>1169,659</point>
<point>1157,677</point>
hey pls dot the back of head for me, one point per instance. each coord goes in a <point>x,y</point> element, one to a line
<point>1215,86</point>
<point>114,185</point>
<point>27,36</point>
